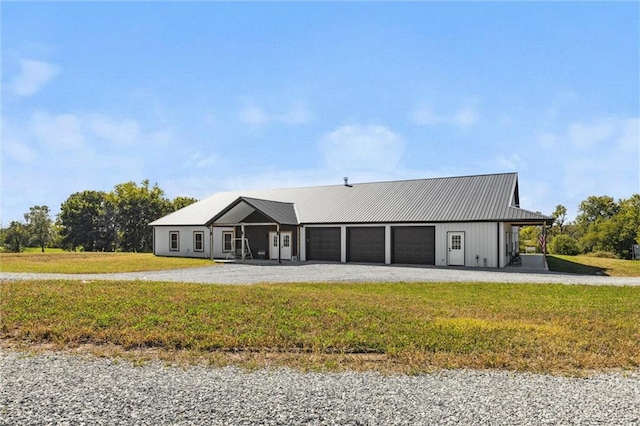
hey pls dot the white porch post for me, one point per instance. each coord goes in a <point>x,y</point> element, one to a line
<point>242,240</point>
<point>279,242</point>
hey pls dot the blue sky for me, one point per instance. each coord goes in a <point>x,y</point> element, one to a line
<point>202,97</point>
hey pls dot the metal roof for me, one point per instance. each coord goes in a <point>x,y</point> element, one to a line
<point>452,199</point>
<point>276,211</point>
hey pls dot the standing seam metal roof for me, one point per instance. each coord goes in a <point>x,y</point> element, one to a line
<point>453,199</point>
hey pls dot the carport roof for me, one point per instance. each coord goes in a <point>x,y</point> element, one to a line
<point>479,198</point>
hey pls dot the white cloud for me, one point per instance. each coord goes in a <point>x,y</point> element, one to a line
<point>465,116</point>
<point>256,116</point>
<point>58,132</point>
<point>117,132</point>
<point>298,114</point>
<point>588,135</point>
<point>512,162</point>
<point>253,115</point>
<point>33,76</point>
<point>356,147</point>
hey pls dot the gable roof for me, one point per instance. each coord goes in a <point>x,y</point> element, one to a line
<point>276,211</point>
<point>454,199</point>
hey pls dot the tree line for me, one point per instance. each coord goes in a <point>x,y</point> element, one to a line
<point>603,227</point>
<point>96,220</point>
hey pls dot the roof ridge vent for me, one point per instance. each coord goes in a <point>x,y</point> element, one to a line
<point>346,181</point>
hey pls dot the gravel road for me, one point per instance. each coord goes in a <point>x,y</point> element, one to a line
<point>65,389</point>
<point>236,273</point>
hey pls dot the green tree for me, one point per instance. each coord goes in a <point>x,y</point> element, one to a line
<point>16,237</point>
<point>181,202</point>
<point>87,220</point>
<point>559,220</point>
<point>564,244</point>
<point>39,226</point>
<point>137,206</point>
<point>595,209</point>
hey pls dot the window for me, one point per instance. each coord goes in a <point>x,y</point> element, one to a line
<point>286,240</point>
<point>174,240</point>
<point>198,241</point>
<point>456,242</point>
<point>227,238</point>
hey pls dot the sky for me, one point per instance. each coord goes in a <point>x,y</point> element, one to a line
<point>202,97</point>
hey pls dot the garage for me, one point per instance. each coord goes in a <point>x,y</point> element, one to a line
<point>323,244</point>
<point>365,244</point>
<point>413,244</point>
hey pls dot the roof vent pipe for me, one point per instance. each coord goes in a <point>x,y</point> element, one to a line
<point>346,181</point>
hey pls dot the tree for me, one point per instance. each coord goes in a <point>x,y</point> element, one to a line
<point>39,226</point>
<point>564,244</point>
<point>559,220</point>
<point>181,202</point>
<point>136,207</point>
<point>87,220</point>
<point>16,237</point>
<point>595,208</point>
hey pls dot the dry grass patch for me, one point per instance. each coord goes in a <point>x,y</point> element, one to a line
<point>386,327</point>
<point>92,263</point>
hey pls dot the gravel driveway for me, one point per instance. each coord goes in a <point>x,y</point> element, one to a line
<point>63,389</point>
<point>237,273</point>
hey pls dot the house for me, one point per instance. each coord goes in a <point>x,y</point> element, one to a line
<point>456,221</point>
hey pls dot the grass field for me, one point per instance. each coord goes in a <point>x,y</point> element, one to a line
<point>387,327</point>
<point>92,263</point>
<point>587,265</point>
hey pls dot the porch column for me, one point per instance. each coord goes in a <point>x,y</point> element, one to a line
<point>242,240</point>
<point>279,242</point>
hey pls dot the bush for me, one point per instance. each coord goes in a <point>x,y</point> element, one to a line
<point>564,244</point>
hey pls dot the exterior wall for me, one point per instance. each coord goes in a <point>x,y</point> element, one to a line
<point>481,239</point>
<point>185,241</point>
<point>218,249</point>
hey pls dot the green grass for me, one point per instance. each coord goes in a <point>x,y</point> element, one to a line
<point>588,265</point>
<point>46,250</point>
<point>388,327</point>
<point>92,263</point>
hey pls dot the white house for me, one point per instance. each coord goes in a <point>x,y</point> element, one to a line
<point>456,221</point>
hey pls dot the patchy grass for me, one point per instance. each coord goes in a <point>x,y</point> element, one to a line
<point>587,265</point>
<point>408,328</point>
<point>92,263</point>
<point>46,250</point>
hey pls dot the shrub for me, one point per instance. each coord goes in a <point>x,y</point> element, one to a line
<point>564,244</point>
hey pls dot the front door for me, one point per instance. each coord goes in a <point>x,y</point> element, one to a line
<point>456,248</point>
<point>285,247</point>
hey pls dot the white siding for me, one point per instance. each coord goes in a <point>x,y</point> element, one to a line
<point>218,252</point>
<point>185,246</point>
<point>480,239</point>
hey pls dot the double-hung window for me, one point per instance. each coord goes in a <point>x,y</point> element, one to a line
<point>227,241</point>
<point>198,241</point>
<point>174,241</point>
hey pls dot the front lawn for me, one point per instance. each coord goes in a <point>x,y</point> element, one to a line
<point>587,265</point>
<point>92,263</point>
<point>404,327</point>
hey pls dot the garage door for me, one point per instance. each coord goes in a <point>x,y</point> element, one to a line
<point>413,244</point>
<point>323,244</point>
<point>365,244</point>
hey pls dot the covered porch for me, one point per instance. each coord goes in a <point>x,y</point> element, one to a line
<point>263,229</point>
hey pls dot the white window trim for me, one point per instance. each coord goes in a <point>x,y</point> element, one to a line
<point>171,234</point>
<point>195,248</point>
<point>230,242</point>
